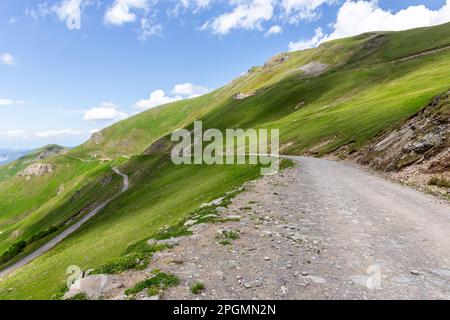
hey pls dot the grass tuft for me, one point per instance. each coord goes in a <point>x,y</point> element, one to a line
<point>197,288</point>
<point>160,281</point>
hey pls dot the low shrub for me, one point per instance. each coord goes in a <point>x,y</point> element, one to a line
<point>160,281</point>
<point>13,251</point>
<point>442,183</point>
<point>79,296</point>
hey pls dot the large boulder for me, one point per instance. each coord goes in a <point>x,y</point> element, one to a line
<point>95,286</point>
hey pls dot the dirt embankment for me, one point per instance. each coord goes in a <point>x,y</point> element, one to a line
<point>418,152</point>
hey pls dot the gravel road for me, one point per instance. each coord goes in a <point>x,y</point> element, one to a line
<point>321,230</point>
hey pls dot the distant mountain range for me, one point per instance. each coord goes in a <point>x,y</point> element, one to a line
<point>7,155</point>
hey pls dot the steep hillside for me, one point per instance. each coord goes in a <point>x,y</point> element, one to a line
<point>342,94</point>
<point>418,151</point>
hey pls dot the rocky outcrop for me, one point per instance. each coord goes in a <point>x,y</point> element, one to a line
<point>36,169</point>
<point>97,137</point>
<point>277,60</point>
<point>242,96</point>
<point>313,69</point>
<point>419,150</point>
<point>422,138</point>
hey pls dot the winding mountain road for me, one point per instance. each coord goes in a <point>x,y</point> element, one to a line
<point>60,237</point>
<point>321,230</point>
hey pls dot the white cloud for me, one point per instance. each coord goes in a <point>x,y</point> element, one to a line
<point>356,17</point>
<point>92,131</point>
<point>106,112</point>
<point>21,134</point>
<point>8,102</point>
<point>247,14</point>
<point>13,134</point>
<point>70,12</point>
<point>157,98</point>
<point>196,3</point>
<point>180,91</point>
<point>296,10</point>
<point>184,5</point>
<point>8,59</point>
<point>121,11</point>
<point>250,14</point>
<point>274,30</point>
<point>148,29</point>
<point>40,11</point>
<point>58,133</point>
<point>189,90</point>
<point>306,44</point>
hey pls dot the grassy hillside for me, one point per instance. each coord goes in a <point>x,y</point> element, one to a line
<point>371,83</point>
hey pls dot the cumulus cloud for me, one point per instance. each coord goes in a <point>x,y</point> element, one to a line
<point>107,111</point>
<point>306,44</point>
<point>157,98</point>
<point>180,91</point>
<point>355,17</point>
<point>13,134</point>
<point>8,59</point>
<point>247,14</point>
<point>122,11</point>
<point>58,133</point>
<point>22,134</point>
<point>251,14</point>
<point>244,14</point>
<point>274,30</point>
<point>189,90</point>
<point>8,102</point>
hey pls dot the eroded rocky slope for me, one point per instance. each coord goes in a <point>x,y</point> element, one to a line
<point>418,152</point>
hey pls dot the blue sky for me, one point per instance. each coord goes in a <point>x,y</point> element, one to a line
<point>68,67</point>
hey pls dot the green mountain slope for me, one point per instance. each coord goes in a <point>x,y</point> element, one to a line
<point>11,169</point>
<point>341,94</point>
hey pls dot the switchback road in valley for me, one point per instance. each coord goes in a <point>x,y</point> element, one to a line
<point>49,245</point>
